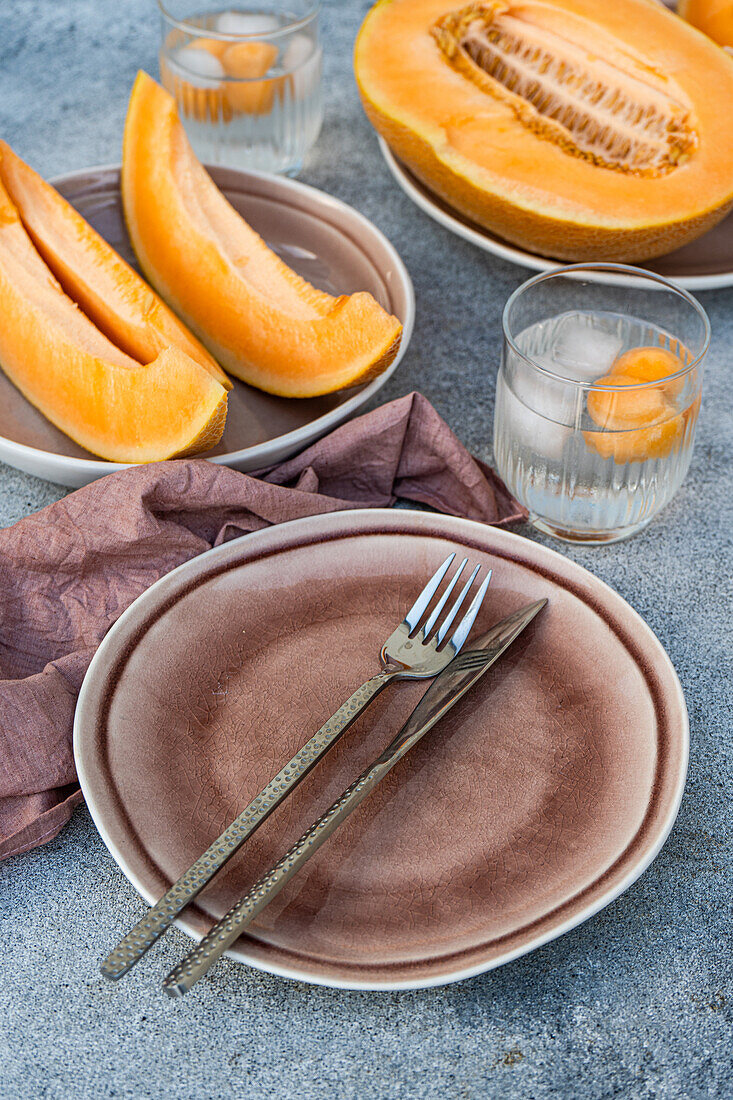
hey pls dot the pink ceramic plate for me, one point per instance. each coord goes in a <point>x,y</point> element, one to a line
<point>324,240</point>
<point>540,798</point>
<point>701,265</point>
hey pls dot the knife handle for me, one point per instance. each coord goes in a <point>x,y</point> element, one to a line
<point>450,686</point>
<point>223,934</point>
<point>159,918</point>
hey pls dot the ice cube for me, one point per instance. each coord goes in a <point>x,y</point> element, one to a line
<point>549,397</point>
<point>582,347</point>
<point>197,66</point>
<point>298,50</point>
<point>246,22</point>
<point>300,59</point>
<point>527,428</point>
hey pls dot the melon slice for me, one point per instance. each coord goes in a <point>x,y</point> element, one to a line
<point>574,128</point>
<point>106,401</point>
<point>111,294</point>
<point>263,322</point>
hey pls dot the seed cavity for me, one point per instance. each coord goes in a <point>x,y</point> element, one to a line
<point>565,93</point>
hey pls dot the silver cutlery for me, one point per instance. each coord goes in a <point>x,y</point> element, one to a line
<point>408,654</point>
<point>445,691</point>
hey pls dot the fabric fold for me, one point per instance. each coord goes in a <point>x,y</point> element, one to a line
<point>69,571</point>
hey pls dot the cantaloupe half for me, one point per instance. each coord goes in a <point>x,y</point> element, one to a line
<point>578,129</point>
<point>263,323</point>
<point>109,403</point>
<point>109,291</point>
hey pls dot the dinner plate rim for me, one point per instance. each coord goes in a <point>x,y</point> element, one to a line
<point>495,246</point>
<point>365,519</point>
<point>74,472</point>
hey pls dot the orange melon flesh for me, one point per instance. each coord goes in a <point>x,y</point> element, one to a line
<point>246,61</point>
<point>617,409</point>
<point>637,445</point>
<point>215,46</point>
<point>572,128</point>
<point>651,364</point>
<point>713,17</point>
<point>99,396</point>
<point>261,321</point>
<point>640,423</point>
<point>111,294</point>
<point>243,63</point>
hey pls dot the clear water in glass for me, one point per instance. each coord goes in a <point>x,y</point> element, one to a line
<point>547,446</point>
<point>249,97</point>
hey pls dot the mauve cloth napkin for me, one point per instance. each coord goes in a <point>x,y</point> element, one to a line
<point>69,571</point>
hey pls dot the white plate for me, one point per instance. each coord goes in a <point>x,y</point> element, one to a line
<point>704,264</point>
<point>324,240</point>
<point>539,800</point>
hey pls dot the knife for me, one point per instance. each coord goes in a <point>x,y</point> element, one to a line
<point>444,692</point>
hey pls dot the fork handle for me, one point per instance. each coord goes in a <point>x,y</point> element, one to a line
<point>159,918</point>
<point>223,934</point>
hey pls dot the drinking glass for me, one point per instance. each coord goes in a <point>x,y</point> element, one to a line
<point>597,397</point>
<point>247,81</point>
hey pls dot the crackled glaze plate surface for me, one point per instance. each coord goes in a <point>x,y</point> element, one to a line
<point>325,241</point>
<point>703,264</point>
<point>542,796</point>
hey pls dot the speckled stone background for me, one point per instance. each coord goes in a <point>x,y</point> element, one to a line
<point>638,1002</point>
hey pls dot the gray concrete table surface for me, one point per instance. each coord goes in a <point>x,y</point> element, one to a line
<point>636,1002</point>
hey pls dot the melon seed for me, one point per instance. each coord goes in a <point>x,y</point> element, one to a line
<point>565,93</point>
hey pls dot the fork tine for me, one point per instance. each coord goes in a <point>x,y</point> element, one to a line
<point>420,606</point>
<point>425,632</point>
<point>463,629</point>
<point>445,626</point>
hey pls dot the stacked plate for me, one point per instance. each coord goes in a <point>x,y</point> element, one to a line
<point>542,795</point>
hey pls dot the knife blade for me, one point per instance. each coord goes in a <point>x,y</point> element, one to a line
<point>444,692</point>
<point>453,683</point>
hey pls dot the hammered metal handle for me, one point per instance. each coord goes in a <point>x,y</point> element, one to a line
<point>225,932</point>
<point>155,922</point>
<point>459,676</point>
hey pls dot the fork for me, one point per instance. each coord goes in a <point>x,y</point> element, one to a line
<point>408,654</point>
<point>445,691</point>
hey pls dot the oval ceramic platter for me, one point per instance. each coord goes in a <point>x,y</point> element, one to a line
<point>324,240</point>
<point>547,790</point>
<point>702,265</point>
